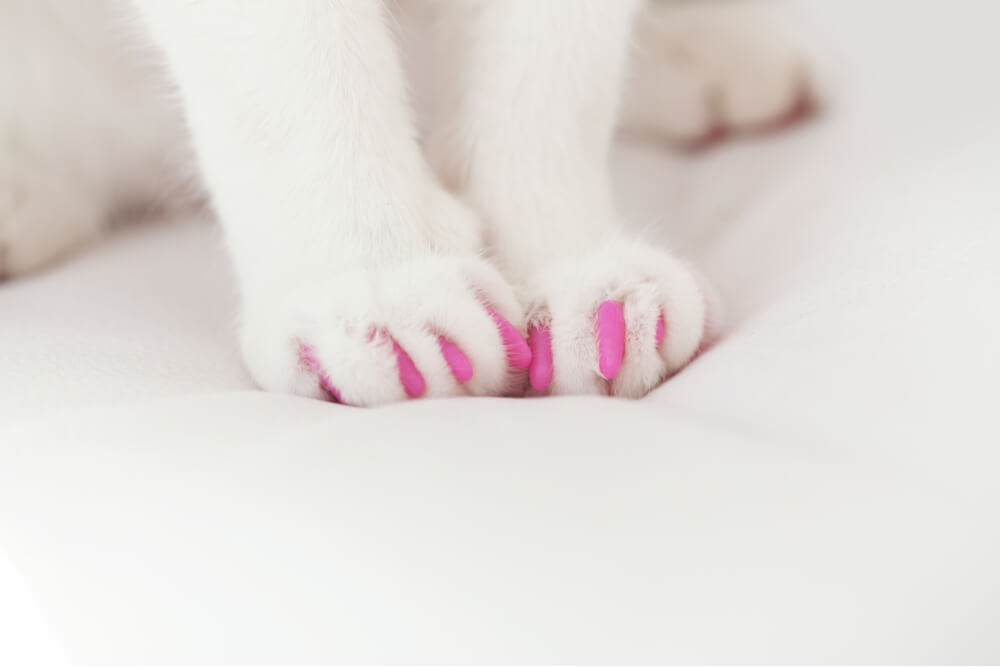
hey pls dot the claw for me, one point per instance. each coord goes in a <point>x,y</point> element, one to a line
<point>308,355</point>
<point>518,352</point>
<point>460,365</point>
<point>610,338</point>
<point>413,381</point>
<point>540,342</point>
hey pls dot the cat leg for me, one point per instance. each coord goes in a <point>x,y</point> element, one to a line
<point>360,275</point>
<point>524,133</point>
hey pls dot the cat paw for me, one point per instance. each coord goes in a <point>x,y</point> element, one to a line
<point>428,328</point>
<point>701,70</point>
<point>618,321</point>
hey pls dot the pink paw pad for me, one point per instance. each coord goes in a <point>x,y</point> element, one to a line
<point>459,364</point>
<point>661,330</point>
<point>610,328</point>
<point>540,342</point>
<point>518,352</point>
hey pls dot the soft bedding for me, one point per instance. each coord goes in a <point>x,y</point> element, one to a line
<point>820,486</point>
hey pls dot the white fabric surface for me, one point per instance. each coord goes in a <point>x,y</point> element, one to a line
<point>819,487</point>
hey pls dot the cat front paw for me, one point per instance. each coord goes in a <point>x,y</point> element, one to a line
<point>701,70</point>
<point>617,321</point>
<point>431,327</point>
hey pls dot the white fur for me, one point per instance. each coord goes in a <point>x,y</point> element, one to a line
<point>537,169</point>
<point>700,67</point>
<point>648,281</point>
<point>84,130</point>
<point>338,225</point>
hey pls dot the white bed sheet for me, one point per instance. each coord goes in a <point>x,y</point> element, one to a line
<point>820,486</point>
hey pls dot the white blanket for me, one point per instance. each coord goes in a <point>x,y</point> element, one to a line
<point>818,487</point>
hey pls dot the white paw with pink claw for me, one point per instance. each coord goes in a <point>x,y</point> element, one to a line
<point>617,321</point>
<point>432,327</point>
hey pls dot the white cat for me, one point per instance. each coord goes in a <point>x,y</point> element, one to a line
<point>381,257</point>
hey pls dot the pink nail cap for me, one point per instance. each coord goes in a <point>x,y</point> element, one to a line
<point>540,342</point>
<point>324,382</point>
<point>460,365</point>
<point>518,352</point>
<point>308,355</point>
<point>413,381</point>
<point>661,330</point>
<point>610,338</point>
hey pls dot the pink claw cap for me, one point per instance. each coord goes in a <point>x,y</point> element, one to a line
<point>324,382</point>
<point>610,338</point>
<point>661,330</point>
<point>308,356</point>
<point>540,342</point>
<point>518,352</point>
<point>413,381</point>
<point>460,365</point>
